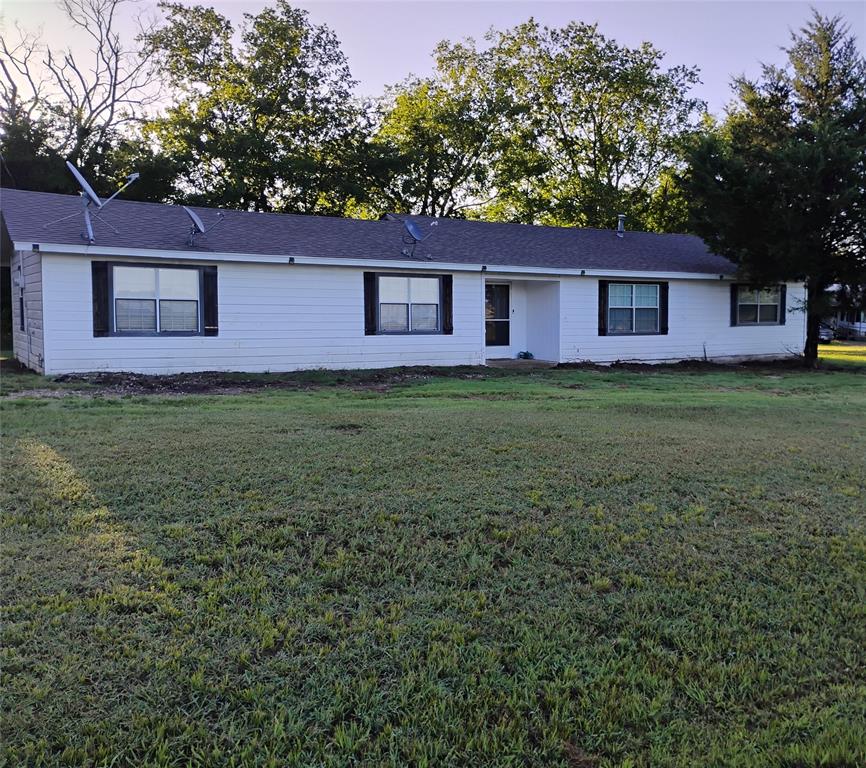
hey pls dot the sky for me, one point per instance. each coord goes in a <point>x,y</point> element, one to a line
<point>387,41</point>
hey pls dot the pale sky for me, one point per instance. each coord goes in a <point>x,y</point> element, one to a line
<point>387,41</point>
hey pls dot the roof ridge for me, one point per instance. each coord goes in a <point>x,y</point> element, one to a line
<point>329,217</point>
<point>397,217</point>
<point>558,227</point>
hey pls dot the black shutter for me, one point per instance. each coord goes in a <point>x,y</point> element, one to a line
<point>210,300</point>
<point>735,288</point>
<point>99,274</point>
<point>447,304</point>
<point>663,308</point>
<point>783,298</point>
<point>602,307</point>
<point>370,303</point>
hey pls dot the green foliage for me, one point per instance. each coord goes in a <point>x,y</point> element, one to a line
<point>441,134</point>
<point>598,129</point>
<point>780,187</point>
<point>550,569</point>
<point>29,159</point>
<point>263,125</point>
<point>552,126</point>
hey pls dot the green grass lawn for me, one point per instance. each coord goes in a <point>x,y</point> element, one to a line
<point>571,568</point>
<point>847,353</point>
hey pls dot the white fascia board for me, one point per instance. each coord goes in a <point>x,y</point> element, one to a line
<point>147,253</point>
<point>384,264</point>
<point>519,273</point>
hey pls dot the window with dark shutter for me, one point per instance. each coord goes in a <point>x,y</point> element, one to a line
<point>632,309</point>
<point>146,299</point>
<point>408,304</point>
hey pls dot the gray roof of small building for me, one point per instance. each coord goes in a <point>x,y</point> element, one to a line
<point>32,217</point>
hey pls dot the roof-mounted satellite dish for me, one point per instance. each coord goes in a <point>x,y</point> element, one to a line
<point>91,200</point>
<point>414,235</point>
<point>86,190</point>
<point>198,227</point>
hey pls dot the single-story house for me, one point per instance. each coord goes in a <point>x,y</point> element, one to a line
<point>279,292</point>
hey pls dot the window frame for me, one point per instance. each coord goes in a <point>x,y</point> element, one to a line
<point>439,318</point>
<point>779,304</point>
<point>658,308</point>
<point>112,326</point>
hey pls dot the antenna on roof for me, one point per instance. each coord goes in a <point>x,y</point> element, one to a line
<point>198,227</point>
<point>413,235</point>
<point>90,199</point>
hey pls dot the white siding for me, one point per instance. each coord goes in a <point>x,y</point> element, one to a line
<point>27,341</point>
<point>543,320</point>
<point>272,317</point>
<point>280,317</point>
<point>699,323</point>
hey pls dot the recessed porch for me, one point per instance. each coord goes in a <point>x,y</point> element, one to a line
<point>521,316</point>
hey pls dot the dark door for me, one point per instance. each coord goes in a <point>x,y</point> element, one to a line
<point>497,315</point>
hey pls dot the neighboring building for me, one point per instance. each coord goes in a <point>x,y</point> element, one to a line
<point>849,323</point>
<point>273,292</point>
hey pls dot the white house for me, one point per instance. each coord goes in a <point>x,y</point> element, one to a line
<point>274,292</point>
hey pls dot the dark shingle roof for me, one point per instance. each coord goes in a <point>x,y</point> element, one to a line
<point>32,217</point>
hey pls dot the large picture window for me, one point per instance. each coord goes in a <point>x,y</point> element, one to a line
<point>633,308</point>
<point>156,300</point>
<point>409,304</point>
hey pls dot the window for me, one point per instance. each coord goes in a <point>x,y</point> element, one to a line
<point>409,304</point>
<point>759,306</point>
<point>156,300</point>
<point>497,315</point>
<point>633,308</point>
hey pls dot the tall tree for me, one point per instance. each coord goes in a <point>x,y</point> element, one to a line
<point>440,134</point>
<point>56,104</point>
<point>267,124</point>
<point>597,127</point>
<point>780,187</point>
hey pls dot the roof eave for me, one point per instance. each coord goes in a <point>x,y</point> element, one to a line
<point>323,261</point>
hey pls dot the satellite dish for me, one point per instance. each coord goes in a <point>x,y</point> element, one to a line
<point>90,198</point>
<point>198,227</point>
<point>414,235</point>
<point>414,231</point>
<point>197,223</point>
<point>86,189</point>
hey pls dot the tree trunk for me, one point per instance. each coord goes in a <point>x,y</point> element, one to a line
<point>815,301</point>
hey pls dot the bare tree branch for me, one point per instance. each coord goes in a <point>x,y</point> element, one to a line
<point>86,98</point>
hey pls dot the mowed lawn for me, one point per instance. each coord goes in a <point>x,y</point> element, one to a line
<point>567,568</point>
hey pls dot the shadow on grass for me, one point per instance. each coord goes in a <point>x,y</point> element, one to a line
<point>75,590</point>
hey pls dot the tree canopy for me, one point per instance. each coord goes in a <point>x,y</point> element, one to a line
<point>440,134</point>
<point>261,125</point>
<point>538,125</point>
<point>597,129</point>
<point>558,126</point>
<point>57,105</point>
<point>780,186</point>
